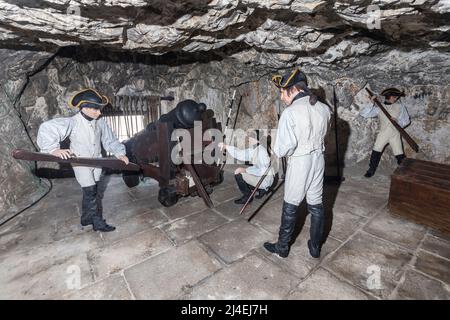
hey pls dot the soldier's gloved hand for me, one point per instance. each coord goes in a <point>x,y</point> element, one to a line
<point>124,159</point>
<point>63,153</point>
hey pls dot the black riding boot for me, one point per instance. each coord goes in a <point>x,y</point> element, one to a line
<point>99,198</point>
<point>92,211</point>
<point>244,188</point>
<point>288,219</point>
<point>88,205</point>
<point>261,193</point>
<point>375,158</point>
<point>400,158</point>
<point>100,223</point>
<point>316,229</point>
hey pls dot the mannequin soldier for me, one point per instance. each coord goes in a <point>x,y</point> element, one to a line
<point>247,178</point>
<point>300,137</point>
<point>388,133</point>
<point>87,132</point>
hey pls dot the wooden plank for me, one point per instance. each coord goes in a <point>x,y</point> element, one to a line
<point>424,180</point>
<point>424,168</point>
<point>437,209</point>
<point>404,209</point>
<point>415,162</point>
<point>198,183</point>
<point>112,163</point>
<point>420,191</point>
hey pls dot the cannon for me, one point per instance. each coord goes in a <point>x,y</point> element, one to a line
<point>150,150</point>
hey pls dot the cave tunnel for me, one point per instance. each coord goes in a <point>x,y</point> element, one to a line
<point>378,209</point>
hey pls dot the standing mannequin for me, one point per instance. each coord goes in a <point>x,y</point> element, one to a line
<point>87,133</point>
<point>300,137</point>
<point>388,133</point>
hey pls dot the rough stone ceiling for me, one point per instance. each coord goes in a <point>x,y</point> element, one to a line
<point>272,32</point>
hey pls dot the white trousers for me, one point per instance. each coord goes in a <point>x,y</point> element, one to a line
<point>304,176</point>
<point>86,176</point>
<point>253,180</point>
<point>393,138</point>
<point>250,178</point>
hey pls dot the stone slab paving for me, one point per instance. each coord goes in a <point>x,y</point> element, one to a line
<point>234,240</point>
<point>135,224</point>
<point>193,226</point>
<point>419,286</point>
<point>126,252</point>
<point>363,256</point>
<point>111,288</point>
<point>171,274</point>
<point>250,278</point>
<point>185,208</point>
<point>396,229</point>
<point>269,217</point>
<point>189,251</point>
<point>344,224</point>
<point>222,195</point>
<point>41,275</point>
<point>322,285</point>
<point>438,246</point>
<point>433,265</point>
<point>229,209</point>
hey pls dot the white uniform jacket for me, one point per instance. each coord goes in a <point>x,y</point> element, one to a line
<point>388,134</point>
<point>300,137</point>
<point>396,110</point>
<point>260,159</point>
<point>86,138</point>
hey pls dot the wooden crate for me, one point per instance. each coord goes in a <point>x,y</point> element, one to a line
<point>420,191</point>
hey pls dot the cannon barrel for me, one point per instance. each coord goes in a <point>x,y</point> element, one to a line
<point>185,114</point>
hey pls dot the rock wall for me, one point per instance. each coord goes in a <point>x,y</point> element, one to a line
<point>18,186</point>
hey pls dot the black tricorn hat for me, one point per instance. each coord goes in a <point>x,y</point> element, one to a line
<point>88,98</point>
<point>289,79</point>
<point>392,92</point>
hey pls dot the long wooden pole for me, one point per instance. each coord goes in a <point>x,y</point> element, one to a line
<point>112,163</point>
<point>338,165</point>
<point>230,108</point>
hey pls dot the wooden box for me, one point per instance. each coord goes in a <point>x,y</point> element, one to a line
<point>420,191</point>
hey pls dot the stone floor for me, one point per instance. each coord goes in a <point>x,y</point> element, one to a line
<point>191,252</point>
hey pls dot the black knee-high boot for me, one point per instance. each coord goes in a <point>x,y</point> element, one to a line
<point>375,158</point>
<point>92,210</point>
<point>288,220</point>
<point>244,188</point>
<point>88,205</point>
<point>316,230</point>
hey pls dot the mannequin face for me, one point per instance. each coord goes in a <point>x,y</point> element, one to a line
<point>287,97</point>
<point>391,99</point>
<point>91,112</point>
